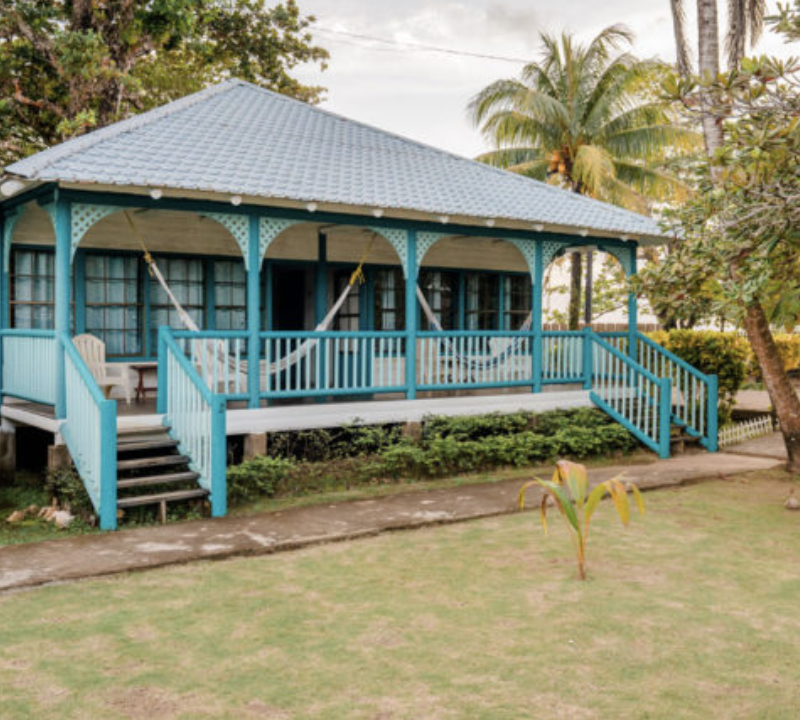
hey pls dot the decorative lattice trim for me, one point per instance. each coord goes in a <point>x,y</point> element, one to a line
<point>8,233</point>
<point>50,208</point>
<point>269,228</point>
<point>237,225</point>
<point>83,217</point>
<point>550,249</point>
<point>398,239</point>
<point>528,250</point>
<point>425,241</point>
<point>625,255</point>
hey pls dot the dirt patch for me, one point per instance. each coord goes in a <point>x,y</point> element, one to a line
<point>146,703</point>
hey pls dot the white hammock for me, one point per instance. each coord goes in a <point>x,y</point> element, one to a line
<point>479,364</point>
<point>213,355</point>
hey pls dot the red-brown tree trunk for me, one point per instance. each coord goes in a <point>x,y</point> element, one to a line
<point>781,393</point>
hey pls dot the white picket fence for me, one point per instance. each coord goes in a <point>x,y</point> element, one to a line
<point>747,430</point>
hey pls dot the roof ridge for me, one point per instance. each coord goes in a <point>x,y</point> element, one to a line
<point>38,161</point>
<point>576,197</point>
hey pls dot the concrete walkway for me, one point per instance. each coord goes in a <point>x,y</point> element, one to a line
<point>768,446</point>
<point>142,548</point>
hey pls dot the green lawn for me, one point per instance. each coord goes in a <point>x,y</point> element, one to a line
<point>692,612</point>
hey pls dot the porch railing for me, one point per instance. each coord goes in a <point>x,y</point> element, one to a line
<point>630,394</point>
<point>474,359</point>
<point>29,365</point>
<point>90,432</point>
<point>195,416</point>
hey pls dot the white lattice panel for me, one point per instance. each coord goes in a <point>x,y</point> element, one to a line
<point>8,233</point>
<point>238,226</point>
<point>269,229</point>
<point>83,217</point>
<point>398,239</point>
<point>425,241</point>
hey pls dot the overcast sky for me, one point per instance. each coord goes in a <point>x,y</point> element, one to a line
<point>422,94</point>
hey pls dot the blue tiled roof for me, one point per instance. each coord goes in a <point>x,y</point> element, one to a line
<point>241,139</point>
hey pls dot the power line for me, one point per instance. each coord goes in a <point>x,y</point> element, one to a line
<point>402,45</point>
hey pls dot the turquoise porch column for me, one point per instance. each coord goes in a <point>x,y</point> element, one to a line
<point>63,227</point>
<point>253,314</point>
<point>321,279</point>
<point>536,317</point>
<point>411,315</point>
<point>633,314</point>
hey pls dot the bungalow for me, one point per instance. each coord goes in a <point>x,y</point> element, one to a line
<point>260,264</point>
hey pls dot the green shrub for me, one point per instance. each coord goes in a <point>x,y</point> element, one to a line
<point>788,345</point>
<point>713,353</point>
<point>259,477</point>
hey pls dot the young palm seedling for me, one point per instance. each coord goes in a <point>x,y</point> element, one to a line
<point>569,490</point>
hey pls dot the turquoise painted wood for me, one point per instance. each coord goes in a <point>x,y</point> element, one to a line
<point>536,317</point>
<point>253,310</point>
<point>90,432</point>
<point>29,365</point>
<point>63,231</point>
<point>411,315</point>
<point>632,395</point>
<point>562,357</point>
<point>196,417</point>
<point>474,359</point>
<point>694,400</point>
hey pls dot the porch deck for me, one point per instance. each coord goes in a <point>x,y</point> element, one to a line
<point>308,416</point>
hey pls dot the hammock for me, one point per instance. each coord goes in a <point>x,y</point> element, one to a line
<point>215,354</point>
<point>477,364</point>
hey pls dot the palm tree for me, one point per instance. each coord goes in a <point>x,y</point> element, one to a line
<point>585,119</point>
<point>745,25</point>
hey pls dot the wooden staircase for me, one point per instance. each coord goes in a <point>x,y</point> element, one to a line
<point>150,470</point>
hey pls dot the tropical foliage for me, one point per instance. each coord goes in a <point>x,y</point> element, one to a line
<point>66,67</point>
<point>583,118</point>
<point>569,491</point>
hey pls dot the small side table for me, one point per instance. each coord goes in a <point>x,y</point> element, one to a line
<point>141,388</point>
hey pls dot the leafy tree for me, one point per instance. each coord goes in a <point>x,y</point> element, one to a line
<point>743,226</point>
<point>583,118</point>
<point>66,67</point>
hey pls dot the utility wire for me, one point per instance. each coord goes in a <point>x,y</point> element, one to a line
<point>403,45</point>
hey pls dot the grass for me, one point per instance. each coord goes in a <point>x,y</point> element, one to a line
<point>29,492</point>
<point>690,613</point>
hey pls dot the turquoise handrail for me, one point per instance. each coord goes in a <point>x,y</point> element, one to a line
<point>196,418</point>
<point>90,432</point>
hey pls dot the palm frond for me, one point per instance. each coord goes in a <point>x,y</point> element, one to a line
<point>652,142</point>
<point>651,182</point>
<point>593,165</point>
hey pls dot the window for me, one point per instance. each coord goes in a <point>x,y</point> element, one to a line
<point>389,300</point>
<point>185,279</point>
<point>441,290</point>
<point>516,301</point>
<point>481,301</point>
<point>32,289</point>
<point>230,294</point>
<point>347,319</point>
<point>113,306</point>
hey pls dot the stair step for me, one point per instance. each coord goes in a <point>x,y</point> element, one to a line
<point>141,430</point>
<point>164,479</point>
<point>140,463</point>
<point>146,445</point>
<point>161,497</point>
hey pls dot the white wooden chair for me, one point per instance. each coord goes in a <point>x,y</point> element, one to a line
<point>107,375</point>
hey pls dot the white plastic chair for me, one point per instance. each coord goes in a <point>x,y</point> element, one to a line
<point>106,375</point>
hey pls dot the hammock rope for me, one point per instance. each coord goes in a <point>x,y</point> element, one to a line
<point>474,364</point>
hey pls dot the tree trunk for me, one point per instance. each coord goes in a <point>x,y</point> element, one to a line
<point>708,67</point>
<point>681,46</point>
<point>781,393</point>
<point>576,270</point>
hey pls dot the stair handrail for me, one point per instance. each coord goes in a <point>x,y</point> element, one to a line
<point>90,432</point>
<point>204,446</point>
<point>710,439</point>
<point>661,443</point>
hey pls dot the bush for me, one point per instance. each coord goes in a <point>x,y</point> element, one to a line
<point>713,353</point>
<point>447,446</point>
<point>788,345</point>
<point>259,477</point>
